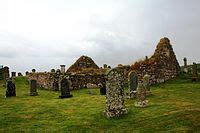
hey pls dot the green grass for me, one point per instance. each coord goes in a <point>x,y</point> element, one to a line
<point>174,105</point>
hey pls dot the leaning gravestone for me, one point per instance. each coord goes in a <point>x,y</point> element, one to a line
<point>11,90</point>
<point>33,88</point>
<point>115,94</point>
<point>141,96</point>
<point>64,86</point>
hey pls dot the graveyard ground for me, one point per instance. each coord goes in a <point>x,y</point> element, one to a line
<point>174,105</point>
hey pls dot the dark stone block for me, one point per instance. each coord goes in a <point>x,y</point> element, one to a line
<point>33,88</point>
<point>65,92</point>
<point>11,90</point>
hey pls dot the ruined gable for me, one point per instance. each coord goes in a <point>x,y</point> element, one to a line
<point>162,66</point>
<point>84,62</point>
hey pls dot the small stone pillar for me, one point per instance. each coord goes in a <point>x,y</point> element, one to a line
<point>185,69</point>
<point>62,68</point>
<point>33,88</point>
<point>132,84</point>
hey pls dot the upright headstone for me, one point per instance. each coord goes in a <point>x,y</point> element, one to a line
<point>20,74</point>
<point>62,68</point>
<point>115,94</point>
<point>133,81</point>
<point>105,66</point>
<point>13,74</point>
<point>132,84</point>
<point>146,82</point>
<point>65,92</point>
<point>194,72</point>
<point>141,96</point>
<point>33,88</point>
<point>33,70</point>
<point>27,73</point>
<point>102,88</point>
<point>53,70</point>
<point>6,75</point>
<point>11,90</point>
<point>185,68</point>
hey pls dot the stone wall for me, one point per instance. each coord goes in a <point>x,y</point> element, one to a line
<point>77,81</point>
<point>162,66</point>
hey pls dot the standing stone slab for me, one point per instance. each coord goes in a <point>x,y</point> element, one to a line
<point>115,94</point>
<point>13,74</point>
<point>132,84</point>
<point>146,82</point>
<point>194,72</point>
<point>33,88</point>
<point>102,88</point>
<point>64,86</point>
<point>11,90</point>
<point>185,68</point>
<point>141,96</point>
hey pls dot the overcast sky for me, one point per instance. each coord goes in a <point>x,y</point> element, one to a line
<point>43,34</point>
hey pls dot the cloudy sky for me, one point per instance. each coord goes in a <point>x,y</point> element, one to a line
<point>43,34</point>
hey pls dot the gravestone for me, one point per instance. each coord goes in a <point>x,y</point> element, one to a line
<point>11,90</point>
<point>105,66</point>
<point>185,68</point>
<point>146,82</point>
<point>33,88</point>
<point>53,70</point>
<point>33,70</point>
<point>13,74</point>
<point>132,83</point>
<point>20,74</point>
<point>58,71</point>
<point>65,92</point>
<point>115,94</point>
<point>141,96</point>
<point>102,89</point>
<point>27,73</point>
<point>194,72</point>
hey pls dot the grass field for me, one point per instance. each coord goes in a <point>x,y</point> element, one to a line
<point>174,105</point>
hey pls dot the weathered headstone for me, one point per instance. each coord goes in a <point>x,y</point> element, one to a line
<point>27,73</point>
<point>20,74</point>
<point>194,72</point>
<point>53,70</point>
<point>146,82</point>
<point>105,66</point>
<point>115,94</point>
<point>13,74</point>
<point>65,92</point>
<point>11,90</point>
<point>33,70</point>
<point>62,69</point>
<point>102,89</point>
<point>141,96</point>
<point>33,88</point>
<point>185,68</point>
<point>132,83</point>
